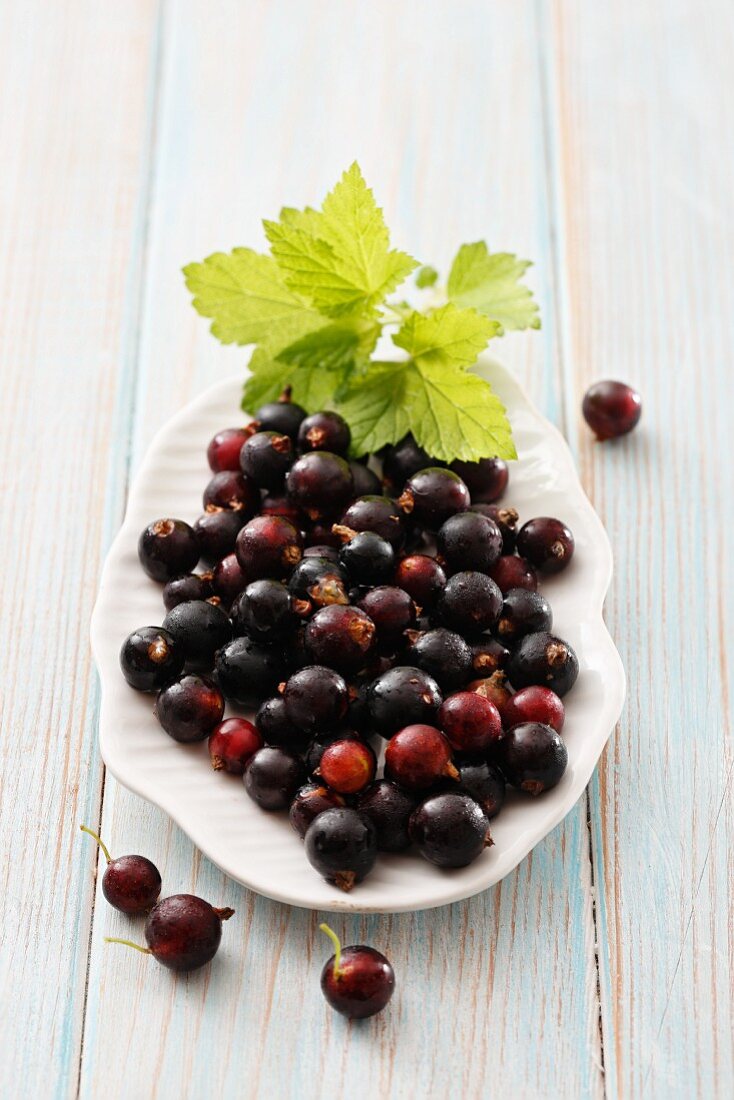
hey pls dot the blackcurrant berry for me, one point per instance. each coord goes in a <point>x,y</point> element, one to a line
<point>248,671</point>
<point>232,745</point>
<point>324,431</point>
<point>276,727</point>
<point>273,776</point>
<point>265,611</point>
<point>486,479</point>
<point>470,603</point>
<point>389,808</point>
<point>492,687</point>
<point>401,460</point>
<point>183,932</point>
<point>320,484</point>
<point>368,559</point>
<point>470,722</point>
<point>217,532</point>
<point>316,699</point>
<point>444,655</point>
<point>150,658</point>
<point>347,766</point>
<point>357,981</point>
<point>223,452</point>
<point>319,745</point>
<point>341,845</point>
<point>505,518</point>
<point>189,586</point>
<point>283,416</point>
<point>310,801</point>
<point>131,884</point>
<point>402,696</point>
<point>469,541</point>
<point>190,708</point>
<point>523,612</point>
<point>268,546</point>
<point>392,611</point>
<point>484,783</point>
<point>546,543</point>
<point>340,637</point>
<point>374,513</point>
<point>418,757</point>
<point>366,481</point>
<point>488,656</point>
<point>167,548</point>
<point>266,458</point>
<point>511,572</point>
<point>534,704</point>
<point>533,757</point>
<point>611,409</point>
<point>319,581</point>
<point>543,659</point>
<point>228,580</point>
<point>422,578</point>
<point>200,629</point>
<point>450,829</point>
<point>432,495</point>
<point>231,489</point>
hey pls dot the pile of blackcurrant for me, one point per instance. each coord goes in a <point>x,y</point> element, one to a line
<point>343,607</point>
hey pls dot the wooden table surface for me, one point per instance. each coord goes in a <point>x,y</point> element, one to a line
<point>596,139</point>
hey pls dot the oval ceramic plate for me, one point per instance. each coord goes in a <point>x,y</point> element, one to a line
<point>259,849</point>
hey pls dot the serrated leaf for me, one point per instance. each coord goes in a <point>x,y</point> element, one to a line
<point>248,299</point>
<point>339,258</point>
<point>313,385</point>
<point>446,336</point>
<point>426,276</point>
<point>490,283</point>
<point>451,413</point>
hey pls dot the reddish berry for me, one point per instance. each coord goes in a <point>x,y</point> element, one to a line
<point>233,744</point>
<point>511,572</point>
<point>417,757</point>
<point>347,766</point>
<point>470,722</point>
<point>534,704</point>
<point>223,452</point>
<point>611,409</point>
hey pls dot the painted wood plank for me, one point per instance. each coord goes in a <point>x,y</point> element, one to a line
<point>642,153</point>
<point>262,104</point>
<point>73,110</point>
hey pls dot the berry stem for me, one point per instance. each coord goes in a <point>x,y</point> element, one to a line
<point>337,947</point>
<point>128,943</point>
<point>107,855</point>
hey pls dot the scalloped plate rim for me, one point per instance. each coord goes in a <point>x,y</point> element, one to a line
<point>135,779</point>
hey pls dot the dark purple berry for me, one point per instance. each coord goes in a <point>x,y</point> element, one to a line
<point>470,603</point>
<point>523,612</point>
<point>486,479</point>
<point>450,829</point>
<point>511,572</point>
<point>319,581</point>
<point>444,655</point>
<point>484,783</point>
<point>341,845</point>
<point>320,484</point>
<point>469,541</point>
<point>131,884</point>
<point>611,409</point>
<point>276,727</point>
<point>533,757</point>
<point>324,431</point>
<point>374,513</point>
<point>248,671</point>
<point>200,629</point>
<point>402,696</point>
<point>264,611</point>
<point>150,658</point>
<point>505,518</point>
<point>273,776</point>
<point>401,461</point>
<point>543,659</point>
<point>368,559</point>
<point>223,452</point>
<point>189,586</point>
<point>432,495</point>
<point>283,416</point>
<point>228,580</point>
<point>183,932</point>
<point>340,637</point>
<point>546,543</point>
<point>217,532</point>
<point>190,708</point>
<point>488,656</point>
<point>389,808</point>
<point>268,546</point>
<point>167,548</point>
<point>316,699</point>
<point>422,578</point>
<point>266,458</point>
<point>366,481</point>
<point>470,722</point>
<point>232,490</point>
<point>310,801</point>
<point>392,611</point>
<point>357,981</point>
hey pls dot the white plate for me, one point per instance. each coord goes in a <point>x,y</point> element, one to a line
<point>259,849</point>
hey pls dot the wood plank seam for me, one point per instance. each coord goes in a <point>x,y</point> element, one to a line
<point>139,268</point>
<point>547,63</point>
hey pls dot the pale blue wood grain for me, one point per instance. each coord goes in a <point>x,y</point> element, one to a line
<point>72,132</point>
<point>641,141</point>
<point>262,105</point>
